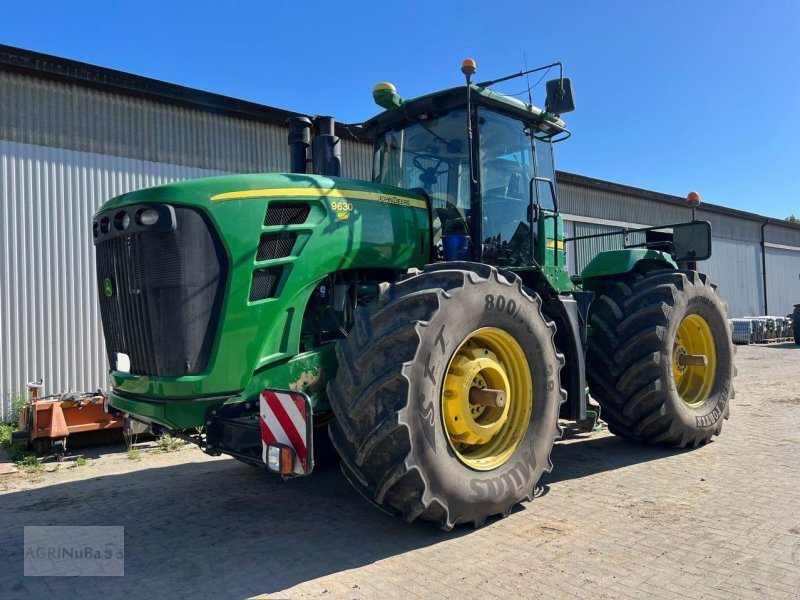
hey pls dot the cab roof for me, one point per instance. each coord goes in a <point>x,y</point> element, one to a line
<point>437,102</point>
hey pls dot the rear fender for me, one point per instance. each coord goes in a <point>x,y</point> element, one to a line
<point>630,260</point>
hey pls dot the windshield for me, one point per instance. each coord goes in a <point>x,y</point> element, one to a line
<point>431,154</point>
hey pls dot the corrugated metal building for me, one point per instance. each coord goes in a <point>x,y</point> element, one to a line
<point>73,135</point>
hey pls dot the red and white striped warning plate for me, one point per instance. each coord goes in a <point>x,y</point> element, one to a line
<point>286,419</point>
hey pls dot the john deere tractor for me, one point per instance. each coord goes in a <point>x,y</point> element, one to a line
<point>425,322</point>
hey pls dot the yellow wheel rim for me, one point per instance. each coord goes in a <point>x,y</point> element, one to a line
<point>694,382</point>
<point>485,437</point>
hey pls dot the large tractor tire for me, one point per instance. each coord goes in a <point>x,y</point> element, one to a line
<point>646,330</point>
<point>796,324</point>
<point>411,438</point>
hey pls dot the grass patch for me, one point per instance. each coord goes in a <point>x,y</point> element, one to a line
<point>168,443</point>
<point>30,464</point>
<point>130,440</point>
<point>16,452</point>
<point>80,461</point>
<point>6,429</point>
<point>17,399</point>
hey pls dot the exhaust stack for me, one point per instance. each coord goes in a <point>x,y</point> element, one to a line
<point>299,141</point>
<point>326,149</point>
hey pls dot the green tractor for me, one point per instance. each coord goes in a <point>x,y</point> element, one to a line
<point>425,322</point>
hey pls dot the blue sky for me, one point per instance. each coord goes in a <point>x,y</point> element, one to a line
<point>671,96</point>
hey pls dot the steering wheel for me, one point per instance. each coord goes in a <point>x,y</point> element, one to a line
<point>429,175</point>
<point>434,170</point>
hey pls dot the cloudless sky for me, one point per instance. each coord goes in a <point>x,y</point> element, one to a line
<point>671,96</point>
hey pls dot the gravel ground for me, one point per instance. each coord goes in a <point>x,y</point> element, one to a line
<point>614,520</point>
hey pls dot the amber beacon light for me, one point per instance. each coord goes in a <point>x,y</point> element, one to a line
<point>468,67</point>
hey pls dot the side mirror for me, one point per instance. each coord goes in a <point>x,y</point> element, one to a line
<point>560,98</point>
<point>691,241</point>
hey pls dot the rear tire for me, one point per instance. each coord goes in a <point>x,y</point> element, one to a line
<point>388,396</point>
<point>796,324</point>
<point>640,325</point>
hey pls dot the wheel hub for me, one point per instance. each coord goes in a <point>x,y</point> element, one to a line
<point>694,360</point>
<point>470,423</point>
<point>485,435</point>
<point>676,358</point>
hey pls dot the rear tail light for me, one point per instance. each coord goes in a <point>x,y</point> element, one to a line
<point>280,459</point>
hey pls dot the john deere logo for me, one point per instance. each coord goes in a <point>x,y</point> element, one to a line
<point>108,287</point>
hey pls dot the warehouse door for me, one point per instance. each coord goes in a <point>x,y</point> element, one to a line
<point>783,280</point>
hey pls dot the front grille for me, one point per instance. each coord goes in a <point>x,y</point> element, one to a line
<point>160,293</point>
<point>286,213</point>
<point>275,245</point>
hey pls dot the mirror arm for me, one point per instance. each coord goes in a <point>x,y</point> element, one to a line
<point>625,231</point>
<point>529,71</point>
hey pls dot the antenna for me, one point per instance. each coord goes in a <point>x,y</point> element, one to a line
<point>527,77</point>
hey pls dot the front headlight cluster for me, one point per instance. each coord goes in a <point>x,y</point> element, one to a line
<point>121,221</point>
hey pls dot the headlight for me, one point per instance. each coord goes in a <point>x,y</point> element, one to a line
<point>147,217</point>
<point>122,220</point>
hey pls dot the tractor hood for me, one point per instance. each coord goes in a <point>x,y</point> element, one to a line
<point>204,283</point>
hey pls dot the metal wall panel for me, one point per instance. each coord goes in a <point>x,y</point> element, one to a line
<point>49,322</point>
<point>356,160</point>
<point>777,234</point>
<point>735,267</point>
<point>604,204</point>
<point>65,115</point>
<point>783,281</point>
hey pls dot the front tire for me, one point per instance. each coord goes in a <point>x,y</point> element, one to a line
<point>643,329</point>
<point>400,428</point>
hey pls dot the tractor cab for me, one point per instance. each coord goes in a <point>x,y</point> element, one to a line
<point>485,162</point>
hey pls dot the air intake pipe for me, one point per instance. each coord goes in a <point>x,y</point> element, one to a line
<point>326,149</point>
<point>299,141</point>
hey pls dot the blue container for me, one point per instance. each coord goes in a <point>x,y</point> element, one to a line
<point>456,247</point>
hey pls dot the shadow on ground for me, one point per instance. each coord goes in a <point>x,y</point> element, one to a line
<point>215,528</point>
<point>587,454</point>
<point>225,529</point>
